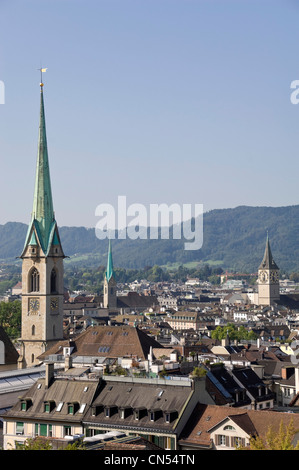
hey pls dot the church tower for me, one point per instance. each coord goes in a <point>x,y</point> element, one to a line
<point>42,264</point>
<point>110,299</point>
<point>268,278</point>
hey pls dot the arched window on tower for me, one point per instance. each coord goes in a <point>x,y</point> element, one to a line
<point>34,280</point>
<point>53,281</point>
<point>33,330</point>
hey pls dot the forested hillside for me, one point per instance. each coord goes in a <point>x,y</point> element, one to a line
<point>232,238</point>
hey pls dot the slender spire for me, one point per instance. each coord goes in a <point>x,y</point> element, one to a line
<point>268,261</point>
<point>109,271</point>
<point>43,211</point>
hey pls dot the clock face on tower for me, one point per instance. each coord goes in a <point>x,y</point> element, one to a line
<point>54,304</point>
<point>34,306</point>
<point>263,276</point>
<point>274,277</point>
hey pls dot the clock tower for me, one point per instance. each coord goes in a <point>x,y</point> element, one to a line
<point>42,264</point>
<point>268,278</point>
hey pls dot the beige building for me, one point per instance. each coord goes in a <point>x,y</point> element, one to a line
<point>183,320</point>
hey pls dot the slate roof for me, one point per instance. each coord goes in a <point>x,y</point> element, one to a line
<point>142,396</point>
<point>60,391</point>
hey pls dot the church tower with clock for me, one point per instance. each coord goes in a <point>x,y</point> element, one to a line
<point>42,264</point>
<point>268,278</point>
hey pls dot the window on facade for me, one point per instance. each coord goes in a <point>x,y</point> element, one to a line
<point>53,281</point>
<point>19,427</point>
<point>67,430</point>
<point>34,281</point>
<point>33,330</point>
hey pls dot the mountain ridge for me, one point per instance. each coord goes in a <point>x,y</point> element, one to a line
<point>232,238</point>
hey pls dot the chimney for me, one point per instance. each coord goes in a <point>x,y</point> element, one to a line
<point>49,374</point>
<point>68,362</point>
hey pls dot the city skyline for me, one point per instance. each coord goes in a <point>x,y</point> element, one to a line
<point>176,102</point>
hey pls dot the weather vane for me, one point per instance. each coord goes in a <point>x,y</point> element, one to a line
<point>42,70</point>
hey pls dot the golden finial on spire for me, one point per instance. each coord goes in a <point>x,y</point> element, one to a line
<point>41,75</point>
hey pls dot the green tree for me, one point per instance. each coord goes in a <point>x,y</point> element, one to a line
<point>10,318</point>
<point>273,440</point>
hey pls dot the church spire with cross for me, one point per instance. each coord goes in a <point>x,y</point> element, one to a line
<point>43,227</point>
<point>42,264</point>
<point>109,298</point>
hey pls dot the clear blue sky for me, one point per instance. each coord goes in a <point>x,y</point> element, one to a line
<point>164,101</point>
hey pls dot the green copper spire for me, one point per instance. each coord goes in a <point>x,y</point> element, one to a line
<point>42,228</point>
<point>43,211</point>
<point>109,272</point>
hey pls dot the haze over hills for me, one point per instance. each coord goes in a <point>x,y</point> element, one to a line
<point>232,238</point>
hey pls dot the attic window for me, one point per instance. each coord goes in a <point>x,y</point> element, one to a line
<point>82,408</point>
<point>59,407</point>
<point>25,404</point>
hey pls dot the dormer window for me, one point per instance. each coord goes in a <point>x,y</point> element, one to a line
<point>49,406</point>
<point>170,415</point>
<point>72,408</point>
<point>25,404</point>
<point>96,409</point>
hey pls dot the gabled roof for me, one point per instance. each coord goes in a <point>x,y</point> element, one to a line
<point>61,392</point>
<point>108,341</point>
<point>206,418</point>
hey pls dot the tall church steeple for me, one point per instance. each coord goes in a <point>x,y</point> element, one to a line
<point>268,261</point>
<point>268,278</point>
<point>109,271</point>
<point>110,299</point>
<point>42,264</point>
<point>43,226</point>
